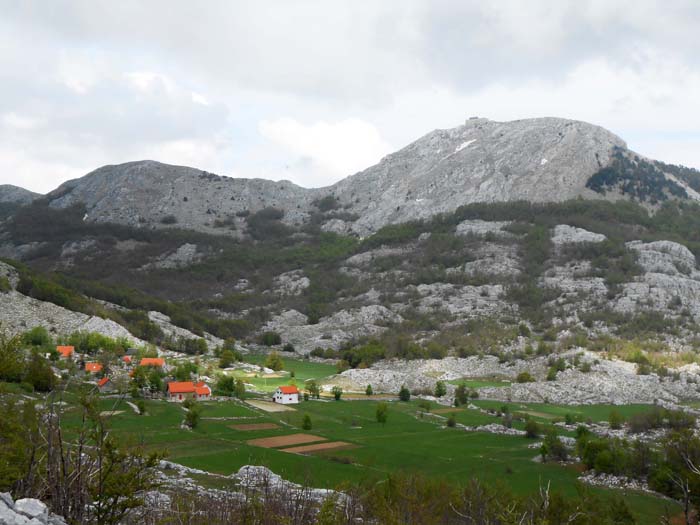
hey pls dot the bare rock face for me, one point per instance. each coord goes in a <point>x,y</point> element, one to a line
<point>332,331</point>
<point>477,227</point>
<point>538,160</point>
<point>565,234</point>
<point>16,195</point>
<point>151,194</point>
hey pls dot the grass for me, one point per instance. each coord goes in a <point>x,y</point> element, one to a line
<point>303,371</point>
<point>407,442</point>
<point>543,412</point>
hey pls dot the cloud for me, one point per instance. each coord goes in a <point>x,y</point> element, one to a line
<point>314,90</point>
<point>327,151</point>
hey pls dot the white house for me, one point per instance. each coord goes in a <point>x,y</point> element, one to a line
<point>286,395</point>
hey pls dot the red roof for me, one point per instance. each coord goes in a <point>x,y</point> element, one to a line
<point>180,387</point>
<point>93,367</point>
<point>65,351</point>
<point>126,359</point>
<point>102,382</point>
<point>152,361</point>
<point>188,387</point>
<point>289,390</point>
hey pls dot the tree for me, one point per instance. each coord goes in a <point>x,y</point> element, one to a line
<point>39,373</point>
<point>192,416</point>
<point>440,389</point>
<point>306,424</point>
<point>452,421</point>
<point>226,385</point>
<point>368,390</point>
<point>141,405</point>
<point>226,359</point>
<point>404,394</point>
<point>532,429</point>
<point>37,336</point>
<point>461,397</point>
<point>240,389</point>
<point>553,447</point>
<point>337,392</point>
<point>274,362</point>
<point>271,339</point>
<point>313,389</point>
<point>382,413</point>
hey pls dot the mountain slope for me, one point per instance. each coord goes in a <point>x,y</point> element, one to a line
<point>16,195</point>
<point>536,160</point>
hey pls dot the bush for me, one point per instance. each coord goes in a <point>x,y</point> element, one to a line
<point>271,339</point>
<point>337,392</point>
<point>451,421</point>
<point>552,374</point>
<point>461,396</point>
<point>5,285</point>
<point>288,347</point>
<point>382,413</point>
<point>404,394</point>
<point>306,424</point>
<point>525,377</point>
<point>368,390</point>
<point>440,389</point>
<point>169,219</point>
<point>274,362</point>
<point>532,429</point>
<point>616,420</point>
<point>193,415</point>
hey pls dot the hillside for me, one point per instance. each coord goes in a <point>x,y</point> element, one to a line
<point>538,160</point>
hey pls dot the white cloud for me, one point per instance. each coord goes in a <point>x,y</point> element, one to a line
<point>333,150</point>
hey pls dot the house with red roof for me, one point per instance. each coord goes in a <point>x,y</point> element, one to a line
<point>105,385</point>
<point>93,368</point>
<point>152,361</point>
<point>126,359</point>
<point>65,352</point>
<point>286,395</point>
<point>181,390</point>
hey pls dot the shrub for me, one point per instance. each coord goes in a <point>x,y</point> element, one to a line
<point>404,394</point>
<point>532,429</point>
<point>551,374</point>
<point>525,377</point>
<point>271,339</point>
<point>5,285</point>
<point>306,424</point>
<point>193,415</point>
<point>169,219</point>
<point>616,420</point>
<point>382,413</point>
<point>337,392</point>
<point>274,362</point>
<point>461,396</point>
<point>368,390</point>
<point>440,389</point>
<point>288,347</point>
<point>451,421</point>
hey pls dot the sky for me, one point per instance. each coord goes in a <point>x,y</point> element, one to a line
<point>314,90</point>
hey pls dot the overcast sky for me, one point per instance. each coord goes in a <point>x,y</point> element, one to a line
<point>312,91</point>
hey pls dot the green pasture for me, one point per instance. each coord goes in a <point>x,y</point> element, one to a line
<point>303,371</point>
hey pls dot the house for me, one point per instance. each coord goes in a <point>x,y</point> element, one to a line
<point>126,359</point>
<point>93,368</point>
<point>152,361</point>
<point>105,385</point>
<point>286,395</point>
<point>181,390</point>
<point>65,352</point>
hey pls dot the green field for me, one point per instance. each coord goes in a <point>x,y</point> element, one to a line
<point>408,442</point>
<point>303,371</point>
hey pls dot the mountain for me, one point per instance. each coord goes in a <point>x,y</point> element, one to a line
<point>16,195</point>
<point>538,160</point>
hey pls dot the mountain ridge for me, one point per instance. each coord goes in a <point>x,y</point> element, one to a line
<point>539,160</point>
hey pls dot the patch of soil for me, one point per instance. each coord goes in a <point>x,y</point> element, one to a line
<point>255,426</point>
<point>285,441</point>
<point>331,445</point>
